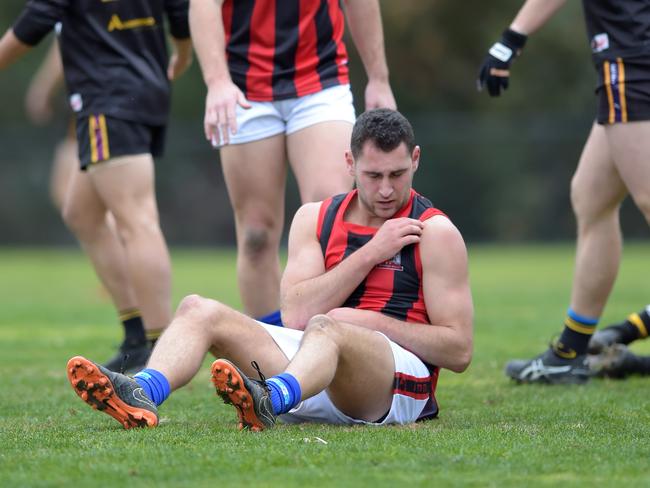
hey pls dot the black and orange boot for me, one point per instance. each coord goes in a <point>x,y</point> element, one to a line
<point>250,397</point>
<point>116,394</point>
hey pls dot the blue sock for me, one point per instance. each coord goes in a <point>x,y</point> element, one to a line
<point>154,384</point>
<point>273,318</point>
<point>285,392</point>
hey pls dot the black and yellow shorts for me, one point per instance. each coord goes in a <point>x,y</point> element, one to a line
<point>623,90</point>
<point>101,138</point>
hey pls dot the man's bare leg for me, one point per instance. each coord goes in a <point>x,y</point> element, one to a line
<point>597,191</point>
<point>201,325</point>
<point>87,217</point>
<point>255,174</point>
<point>64,165</point>
<point>126,187</point>
<point>317,157</point>
<point>354,364</point>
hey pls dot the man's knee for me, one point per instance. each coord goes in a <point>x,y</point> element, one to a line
<point>323,325</point>
<point>257,241</point>
<point>81,222</point>
<point>590,205</point>
<point>196,309</point>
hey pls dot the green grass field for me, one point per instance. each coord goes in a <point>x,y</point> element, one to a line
<point>490,432</point>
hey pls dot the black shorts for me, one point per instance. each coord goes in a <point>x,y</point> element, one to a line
<point>623,90</point>
<point>101,138</point>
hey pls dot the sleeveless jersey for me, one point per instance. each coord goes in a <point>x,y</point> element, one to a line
<point>279,49</point>
<point>393,287</point>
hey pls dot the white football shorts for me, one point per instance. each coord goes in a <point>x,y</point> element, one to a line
<point>266,119</point>
<point>406,407</point>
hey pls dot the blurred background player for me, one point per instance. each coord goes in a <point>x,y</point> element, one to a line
<point>39,106</point>
<point>278,90</point>
<point>117,72</point>
<point>614,162</point>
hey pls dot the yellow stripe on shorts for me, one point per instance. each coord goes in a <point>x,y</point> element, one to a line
<point>608,88</point>
<point>621,88</point>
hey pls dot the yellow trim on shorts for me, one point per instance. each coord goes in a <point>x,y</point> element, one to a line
<point>610,96</point>
<point>621,88</point>
<point>105,144</point>
<point>578,327</point>
<point>92,127</point>
<point>635,319</point>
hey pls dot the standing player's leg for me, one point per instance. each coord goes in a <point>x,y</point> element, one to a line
<point>126,186</point>
<point>319,127</point>
<point>317,157</point>
<point>630,146</point>
<point>596,194</point>
<point>64,165</point>
<point>255,174</point>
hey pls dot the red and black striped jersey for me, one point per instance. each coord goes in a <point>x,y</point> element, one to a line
<point>393,287</point>
<point>279,49</point>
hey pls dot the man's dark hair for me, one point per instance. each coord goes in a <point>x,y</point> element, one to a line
<point>386,128</point>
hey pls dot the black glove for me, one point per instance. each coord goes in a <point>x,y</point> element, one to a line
<point>495,71</point>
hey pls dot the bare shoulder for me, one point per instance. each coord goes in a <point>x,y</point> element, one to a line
<point>305,221</point>
<point>440,231</point>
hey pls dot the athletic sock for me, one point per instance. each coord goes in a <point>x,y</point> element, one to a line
<point>273,318</point>
<point>285,392</point>
<point>153,335</point>
<point>134,334</point>
<point>578,329</point>
<point>635,327</point>
<point>154,384</point>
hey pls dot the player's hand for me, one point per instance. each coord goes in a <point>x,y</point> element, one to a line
<point>392,236</point>
<point>220,109</point>
<point>495,71</point>
<point>379,95</point>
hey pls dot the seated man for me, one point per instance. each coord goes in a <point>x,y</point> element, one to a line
<point>377,279</point>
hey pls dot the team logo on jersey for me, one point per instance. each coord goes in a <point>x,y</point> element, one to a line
<point>600,42</point>
<point>76,102</point>
<point>116,23</point>
<point>394,263</point>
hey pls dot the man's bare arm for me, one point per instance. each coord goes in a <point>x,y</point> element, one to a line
<point>11,48</point>
<point>534,14</point>
<point>364,22</point>
<point>206,25</point>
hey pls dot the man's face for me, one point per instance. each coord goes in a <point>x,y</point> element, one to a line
<point>383,179</point>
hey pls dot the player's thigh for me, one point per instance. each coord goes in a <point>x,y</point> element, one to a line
<point>317,158</point>
<point>362,387</point>
<point>126,185</point>
<point>83,207</point>
<point>255,175</point>
<point>319,126</point>
<point>630,144</point>
<point>597,185</point>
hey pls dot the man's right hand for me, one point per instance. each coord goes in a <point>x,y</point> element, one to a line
<point>495,70</point>
<point>220,109</point>
<point>392,236</point>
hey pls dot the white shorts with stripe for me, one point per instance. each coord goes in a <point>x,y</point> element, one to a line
<point>406,407</point>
